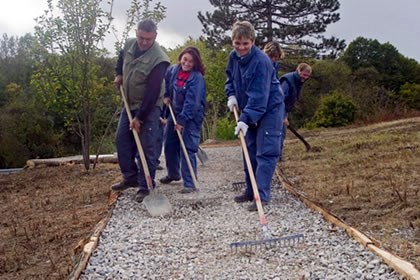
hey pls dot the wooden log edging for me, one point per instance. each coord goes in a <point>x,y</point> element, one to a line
<point>400,265</point>
<point>106,158</point>
<point>92,241</point>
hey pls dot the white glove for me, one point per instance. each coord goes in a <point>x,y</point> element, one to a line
<point>241,126</point>
<point>232,102</point>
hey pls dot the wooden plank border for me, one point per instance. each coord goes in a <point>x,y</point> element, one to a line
<point>92,242</point>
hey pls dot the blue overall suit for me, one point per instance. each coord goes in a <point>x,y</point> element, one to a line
<point>252,80</point>
<point>188,103</point>
<point>291,85</point>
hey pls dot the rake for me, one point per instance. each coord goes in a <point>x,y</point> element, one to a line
<point>266,237</point>
<point>238,186</point>
<point>285,241</point>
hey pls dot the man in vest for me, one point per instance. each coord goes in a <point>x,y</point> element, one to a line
<point>140,69</point>
<point>292,84</point>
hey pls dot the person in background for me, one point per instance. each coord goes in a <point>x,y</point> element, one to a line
<point>186,92</point>
<point>292,85</point>
<point>253,88</point>
<point>275,53</point>
<point>140,69</point>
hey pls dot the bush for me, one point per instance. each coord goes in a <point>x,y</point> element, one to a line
<point>410,95</point>
<point>334,110</point>
<point>225,129</point>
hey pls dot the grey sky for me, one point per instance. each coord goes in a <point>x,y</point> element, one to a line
<point>396,22</point>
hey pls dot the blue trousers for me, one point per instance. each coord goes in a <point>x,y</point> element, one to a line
<point>283,137</point>
<point>175,160</point>
<point>128,157</point>
<point>263,146</point>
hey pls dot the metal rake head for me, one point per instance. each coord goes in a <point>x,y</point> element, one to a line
<point>284,241</point>
<point>238,186</point>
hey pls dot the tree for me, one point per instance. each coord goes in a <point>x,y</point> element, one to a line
<point>393,67</point>
<point>135,13</point>
<point>329,75</point>
<point>293,23</point>
<point>25,131</point>
<point>67,77</point>
<point>410,95</point>
<point>16,63</point>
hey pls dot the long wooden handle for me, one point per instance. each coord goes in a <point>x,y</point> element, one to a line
<point>263,220</point>
<point>187,158</point>
<point>138,143</point>
<point>307,145</point>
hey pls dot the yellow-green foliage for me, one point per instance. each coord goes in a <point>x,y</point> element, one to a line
<point>225,129</point>
<point>410,95</point>
<point>334,110</point>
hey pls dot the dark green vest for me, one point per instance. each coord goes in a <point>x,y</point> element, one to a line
<point>136,71</point>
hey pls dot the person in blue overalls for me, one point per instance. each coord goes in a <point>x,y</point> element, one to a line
<point>292,85</point>
<point>253,88</point>
<point>275,53</point>
<point>186,92</point>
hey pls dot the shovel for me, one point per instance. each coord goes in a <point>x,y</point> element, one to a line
<point>202,156</point>
<point>156,204</point>
<point>300,137</point>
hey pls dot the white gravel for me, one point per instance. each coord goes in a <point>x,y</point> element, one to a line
<point>193,242</point>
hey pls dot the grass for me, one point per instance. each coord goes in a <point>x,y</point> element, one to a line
<point>369,176</point>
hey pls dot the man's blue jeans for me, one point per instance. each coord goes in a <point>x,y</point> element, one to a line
<point>150,135</point>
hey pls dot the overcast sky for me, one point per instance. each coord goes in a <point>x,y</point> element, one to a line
<point>396,22</point>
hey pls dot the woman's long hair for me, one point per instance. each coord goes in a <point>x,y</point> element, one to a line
<point>195,53</point>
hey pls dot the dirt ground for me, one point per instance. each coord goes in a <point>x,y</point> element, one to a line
<point>369,176</point>
<point>45,212</point>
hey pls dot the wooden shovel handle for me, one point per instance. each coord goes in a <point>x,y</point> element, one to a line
<point>138,143</point>
<point>300,137</point>
<point>187,158</point>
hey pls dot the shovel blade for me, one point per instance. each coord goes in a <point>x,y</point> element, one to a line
<point>202,156</point>
<point>157,204</point>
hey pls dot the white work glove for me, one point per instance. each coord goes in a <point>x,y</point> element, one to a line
<point>241,126</point>
<point>232,102</point>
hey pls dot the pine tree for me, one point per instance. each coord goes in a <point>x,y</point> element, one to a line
<point>297,24</point>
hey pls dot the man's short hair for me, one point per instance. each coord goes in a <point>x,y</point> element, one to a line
<point>147,25</point>
<point>243,29</point>
<point>304,67</point>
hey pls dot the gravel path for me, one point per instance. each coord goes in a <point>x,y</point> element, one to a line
<point>193,242</point>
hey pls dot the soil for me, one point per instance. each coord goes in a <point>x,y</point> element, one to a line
<point>368,176</point>
<point>46,212</point>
